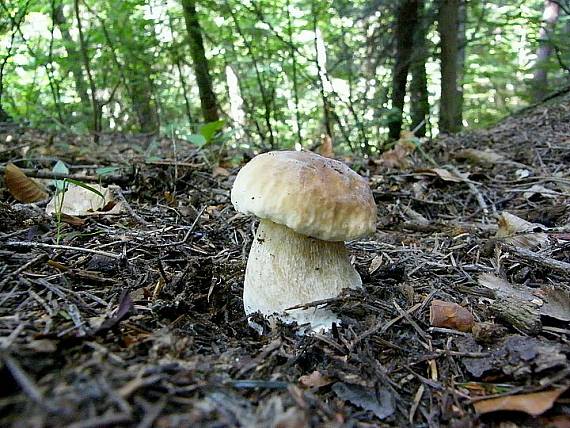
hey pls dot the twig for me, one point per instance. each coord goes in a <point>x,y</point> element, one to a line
<point>554,264</point>
<point>476,192</point>
<point>25,382</point>
<point>21,269</point>
<point>107,179</point>
<point>119,195</point>
<point>23,244</point>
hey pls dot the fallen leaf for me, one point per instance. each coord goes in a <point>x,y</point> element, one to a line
<point>375,264</point>
<point>450,315</point>
<point>520,233</point>
<point>383,404</point>
<point>218,171</point>
<point>72,220</point>
<point>535,403</point>
<point>326,148</point>
<point>515,356</point>
<point>444,174</point>
<point>537,189</point>
<point>503,288</point>
<point>314,380</point>
<point>398,156</point>
<point>123,311</point>
<point>22,187</point>
<point>557,304</point>
<point>79,201</point>
<point>484,157</point>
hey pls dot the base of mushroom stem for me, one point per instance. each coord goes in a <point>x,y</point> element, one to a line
<point>286,269</point>
<point>312,320</point>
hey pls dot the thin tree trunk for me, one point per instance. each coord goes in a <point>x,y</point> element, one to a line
<point>16,22</point>
<point>448,29</point>
<point>75,60</point>
<point>461,47</point>
<point>83,49</point>
<point>181,76</point>
<point>200,62</point>
<point>406,26</point>
<point>321,71</point>
<point>540,78</point>
<point>265,97</point>
<point>295,83</point>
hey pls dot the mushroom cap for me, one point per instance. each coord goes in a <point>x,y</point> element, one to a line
<point>312,195</point>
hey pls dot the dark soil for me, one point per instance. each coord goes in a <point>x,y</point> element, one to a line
<point>139,322</point>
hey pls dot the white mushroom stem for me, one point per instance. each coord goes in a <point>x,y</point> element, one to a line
<point>287,269</point>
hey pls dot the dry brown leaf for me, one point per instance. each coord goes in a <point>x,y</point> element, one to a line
<point>218,171</point>
<point>520,233</point>
<point>487,157</point>
<point>450,315</point>
<point>314,380</point>
<point>326,148</point>
<point>398,156</point>
<point>535,403</point>
<point>22,187</point>
<point>444,174</point>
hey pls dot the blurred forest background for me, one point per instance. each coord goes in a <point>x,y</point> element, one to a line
<point>281,73</point>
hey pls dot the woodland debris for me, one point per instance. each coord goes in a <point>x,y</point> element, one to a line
<point>450,315</point>
<point>534,403</point>
<point>22,187</point>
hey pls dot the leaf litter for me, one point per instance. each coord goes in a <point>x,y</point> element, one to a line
<point>137,316</point>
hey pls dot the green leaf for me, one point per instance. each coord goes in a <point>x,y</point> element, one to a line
<point>60,168</point>
<point>107,170</point>
<point>85,186</point>
<point>209,129</point>
<point>197,139</point>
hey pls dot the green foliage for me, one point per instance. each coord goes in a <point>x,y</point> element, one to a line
<point>139,60</point>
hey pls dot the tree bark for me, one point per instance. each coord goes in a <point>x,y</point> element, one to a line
<point>406,26</point>
<point>540,78</point>
<point>72,54</point>
<point>419,109</point>
<point>200,62</point>
<point>448,33</point>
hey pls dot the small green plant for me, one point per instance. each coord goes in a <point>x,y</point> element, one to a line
<point>60,189</point>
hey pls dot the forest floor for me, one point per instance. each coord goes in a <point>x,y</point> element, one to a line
<point>136,319</point>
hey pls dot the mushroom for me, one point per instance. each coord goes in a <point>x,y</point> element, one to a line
<point>308,206</point>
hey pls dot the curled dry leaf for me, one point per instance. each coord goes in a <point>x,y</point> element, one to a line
<point>534,404</point>
<point>398,157</point>
<point>482,157</point>
<point>326,148</point>
<point>450,315</point>
<point>219,171</point>
<point>314,380</point>
<point>520,233</point>
<point>22,187</point>
<point>444,174</point>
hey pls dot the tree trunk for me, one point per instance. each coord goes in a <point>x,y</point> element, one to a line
<point>406,26</point>
<point>143,104</point>
<point>72,54</point>
<point>419,108</point>
<point>448,33</point>
<point>461,46</point>
<point>540,78</point>
<point>200,62</point>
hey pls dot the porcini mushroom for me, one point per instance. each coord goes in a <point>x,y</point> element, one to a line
<point>308,206</point>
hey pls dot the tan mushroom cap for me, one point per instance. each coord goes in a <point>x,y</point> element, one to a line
<point>312,195</point>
